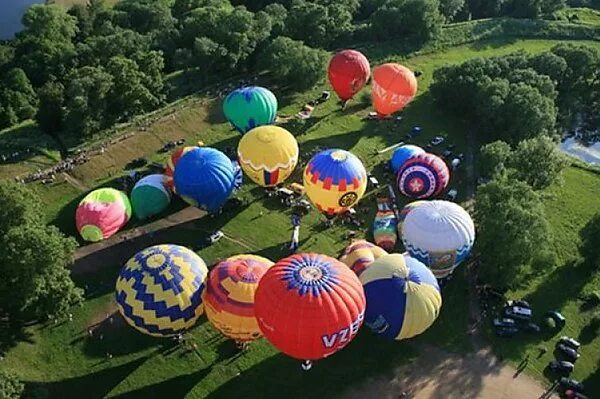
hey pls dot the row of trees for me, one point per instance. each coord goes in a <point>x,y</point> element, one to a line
<point>521,96</point>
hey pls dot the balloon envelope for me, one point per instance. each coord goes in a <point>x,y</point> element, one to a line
<point>150,196</point>
<point>238,175</point>
<point>404,212</point>
<point>348,73</point>
<point>394,86</point>
<point>268,155</point>
<point>102,213</point>
<point>403,297</point>
<point>172,162</point>
<point>159,291</point>
<point>205,178</point>
<point>249,107</point>
<point>229,296</point>
<point>440,234</point>
<point>423,176</point>
<point>403,154</point>
<point>360,254</point>
<point>309,306</point>
<point>335,180</point>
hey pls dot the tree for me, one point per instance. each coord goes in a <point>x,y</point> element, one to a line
<point>590,241</point>
<point>36,281</point>
<point>10,386</point>
<point>294,63</point>
<point>144,16</point>
<point>493,158</point>
<point>278,14</point>
<point>512,230</point>
<point>17,97</point>
<point>419,20</point>
<point>485,8</point>
<point>181,8</point>
<point>50,113</point>
<point>538,162</point>
<point>449,8</point>
<point>18,206</point>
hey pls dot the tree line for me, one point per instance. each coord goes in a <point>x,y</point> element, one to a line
<point>83,70</point>
<point>518,105</point>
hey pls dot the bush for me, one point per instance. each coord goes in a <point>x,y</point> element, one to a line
<point>10,386</point>
<point>592,300</point>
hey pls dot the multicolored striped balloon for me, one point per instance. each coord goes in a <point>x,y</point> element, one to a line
<point>150,196</point>
<point>440,234</point>
<point>335,180</point>
<point>385,225</point>
<point>268,155</point>
<point>159,291</point>
<point>102,213</point>
<point>229,296</point>
<point>309,306</point>
<point>403,297</point>
<point>250,107</point>
<point>360,254</point>
<point>423,176</point>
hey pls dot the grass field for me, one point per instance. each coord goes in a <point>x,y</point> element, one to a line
<point>586,16</point>
<point>62,357</point>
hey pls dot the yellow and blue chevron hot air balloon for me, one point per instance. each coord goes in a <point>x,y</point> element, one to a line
<point>229,296</point>
<point>159,291</point>
<point>335,180</point>
<point>268,155</point>
<point>403,296</point>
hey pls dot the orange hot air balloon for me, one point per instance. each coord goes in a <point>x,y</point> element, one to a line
<point>394,86</point>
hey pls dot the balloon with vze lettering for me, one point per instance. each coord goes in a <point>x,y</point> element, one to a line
<point>309,306</point>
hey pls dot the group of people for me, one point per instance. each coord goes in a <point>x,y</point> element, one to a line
<point>48,176</point>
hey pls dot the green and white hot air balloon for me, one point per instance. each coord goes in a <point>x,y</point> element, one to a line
<point>150,196</point>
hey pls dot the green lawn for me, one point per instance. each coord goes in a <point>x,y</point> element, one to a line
<point>72,365</point>
<point>585,16</point>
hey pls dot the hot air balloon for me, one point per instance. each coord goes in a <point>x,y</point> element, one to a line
<point>309,306</point>
<point>385,224</point>
<point>159,291</point>
<point>407,208</point>
<point>394,86</point>
<point>348,73</point>
<point>249,107</point>
<point>403,153</point>
<point>403,297</point>
<point>102,213</point>
<point>440,234</point>
<point>335,180</point>
<point>150,196</point>
<point>423,176</point>
<point>229,296</point>
<point>238,175</point>
<point>268,155</point>
<point>204,177</point>
<point>172,162</point>
<point>360,254</point>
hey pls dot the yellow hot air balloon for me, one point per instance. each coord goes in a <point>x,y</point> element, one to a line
<point>268,155</point>
<point>360,254</point>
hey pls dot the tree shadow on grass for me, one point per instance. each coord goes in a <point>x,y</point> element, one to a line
<point>592,384</point>
<point>11,334</point>
<point>95,385</point>
<point>589,332</point>
<point>23,137</point>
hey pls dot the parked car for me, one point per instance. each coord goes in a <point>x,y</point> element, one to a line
<point>558,318</point>
<point>452,194</point>
<point>518,312</point>
<point>570,342</point>
<point>567,352</point>
<point>416,130</point>
<point>531,328</point>
<point>518,302</point>
<point>428,147</point>
<point>561,366</point>
<point>398,119</point>
<point>447,154</point>
<point>451,147</point>
<point>437,140</point>
<point>505,327</point>
<point>569,383</point>
<point>216,236</point>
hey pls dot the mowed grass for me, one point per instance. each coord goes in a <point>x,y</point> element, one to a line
<point>569,207</point>
<point>586,16</point>
<point>69,363</point>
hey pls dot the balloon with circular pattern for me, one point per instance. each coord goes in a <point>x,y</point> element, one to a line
<point>393,87</point>
<point>159,290</point>
<point>403,297</point>
<point>360,254</point>
<point>423,176</point>
<point>150,196</point>
<point>268,155</point>
<point>204,177</point>
<point>335,180</point>
<point>440,234</point>
<point>102,213</point>
<point>348,73</point>
<point>309,306</point>
<point>249,107</point>
<point>229,296</point>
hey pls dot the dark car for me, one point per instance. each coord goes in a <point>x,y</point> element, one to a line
<point>558,318</point>
<point>570,342</point>
<point>461,156</point>
<point>416,130</point>
<point>505,327</point>
<point>569,383</point>
<point>518,312</point>
<point>567,352</point>
<point>447,154</point>
<point>561,366</point>
<point>428,147</point>
<point>518,302</point>
<point>531,328</point>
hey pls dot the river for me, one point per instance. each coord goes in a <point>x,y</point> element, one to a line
<point>11,12</point>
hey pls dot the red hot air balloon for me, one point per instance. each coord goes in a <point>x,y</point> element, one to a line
<point>348,73</point>
<point>309,306</point>
<point>394,86</point>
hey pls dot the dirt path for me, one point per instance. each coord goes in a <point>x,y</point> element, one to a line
<point>239,242</point>
<point>441,375</point>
